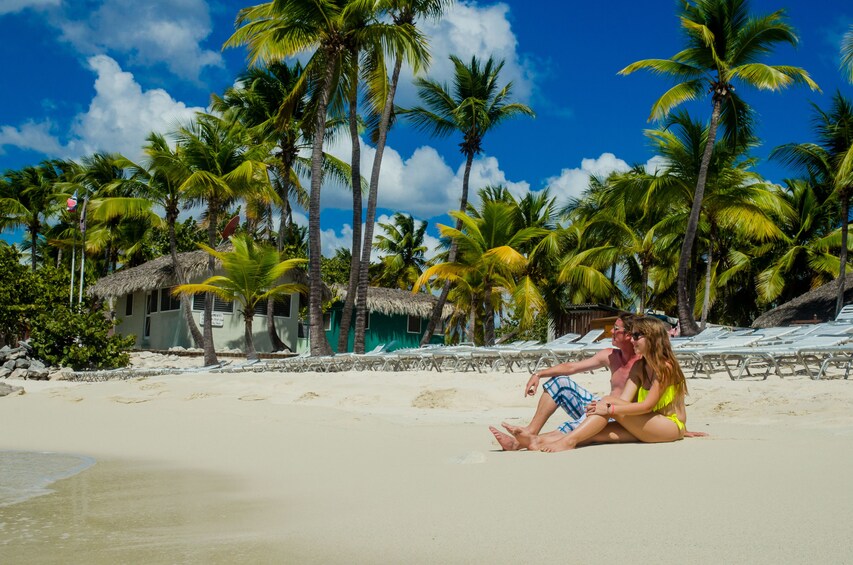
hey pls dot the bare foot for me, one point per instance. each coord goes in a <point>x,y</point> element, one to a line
<point>507,442</point>
<point>695,434</point>
<point>522,435</point>
<point>563,444</point>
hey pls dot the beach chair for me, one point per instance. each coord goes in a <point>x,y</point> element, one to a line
<point>562,352</point>
<point>845,314</point>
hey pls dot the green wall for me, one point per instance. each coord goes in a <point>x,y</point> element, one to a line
<point>383,329</point>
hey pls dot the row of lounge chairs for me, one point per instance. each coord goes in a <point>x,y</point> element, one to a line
<point>814,350</point>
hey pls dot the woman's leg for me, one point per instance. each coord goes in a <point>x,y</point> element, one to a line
<point>588,429</point>
<point>651,427</point>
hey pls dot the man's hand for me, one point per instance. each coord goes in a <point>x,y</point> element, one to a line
<point>532,384</point>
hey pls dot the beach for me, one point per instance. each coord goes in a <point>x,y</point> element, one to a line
<point>382,467</point>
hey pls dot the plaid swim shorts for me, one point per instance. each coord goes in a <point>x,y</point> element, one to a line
<point>572,398</point>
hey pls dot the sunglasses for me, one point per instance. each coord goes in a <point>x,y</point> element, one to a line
<point>636,336</point>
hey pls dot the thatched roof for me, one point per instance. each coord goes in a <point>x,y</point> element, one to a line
<point>158,273</point>
<point>816,304</point>
<point>392,301</point>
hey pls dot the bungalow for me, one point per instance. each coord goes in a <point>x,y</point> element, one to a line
<point>394,315</point>
<point>141,299</point>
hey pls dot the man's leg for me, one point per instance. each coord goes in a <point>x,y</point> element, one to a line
<point>558,391</point>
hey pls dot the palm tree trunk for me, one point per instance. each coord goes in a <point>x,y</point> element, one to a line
<point>706,300</point>
<point>842,271</point>
<point>251,354</point>
<point>644,292</point>
<point>355,259</point>
<point>685,312</point>
<point>372,197</point>
<point>442,299</point>
<point>209,348</point>
<point>186,304</point>
<point>489,321</point>
<point>284,221</point>
<point>319,345</point>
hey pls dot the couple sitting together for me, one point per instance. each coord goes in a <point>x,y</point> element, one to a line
<point>646,401</point>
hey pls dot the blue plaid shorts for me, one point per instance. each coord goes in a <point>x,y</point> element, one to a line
<point>572,398</point>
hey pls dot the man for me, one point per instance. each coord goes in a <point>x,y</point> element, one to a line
<point>561,391</point>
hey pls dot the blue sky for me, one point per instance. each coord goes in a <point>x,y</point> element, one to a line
<point>93,75</point>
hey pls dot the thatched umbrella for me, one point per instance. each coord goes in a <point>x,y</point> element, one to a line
<point>815,305</point>
<point>393,301</point>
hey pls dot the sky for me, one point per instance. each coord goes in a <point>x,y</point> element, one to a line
<point>99,75</point>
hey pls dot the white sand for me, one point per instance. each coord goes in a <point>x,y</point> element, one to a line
<point>401,468</point>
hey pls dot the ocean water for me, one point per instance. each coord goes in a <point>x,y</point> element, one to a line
<point>27,474</point>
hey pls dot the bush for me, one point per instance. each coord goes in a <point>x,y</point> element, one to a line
<point>78,340</point>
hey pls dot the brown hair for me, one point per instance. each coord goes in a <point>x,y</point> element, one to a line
<point>659,355</point>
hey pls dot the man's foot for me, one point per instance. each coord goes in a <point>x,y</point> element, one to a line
<point>507,442</point>
<point>522,435</point>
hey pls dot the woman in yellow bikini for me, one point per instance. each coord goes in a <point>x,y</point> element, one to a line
<point>650,408</point>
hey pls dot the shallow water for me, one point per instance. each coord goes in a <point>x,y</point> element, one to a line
<point>27,474</point>
<point>128,512</point>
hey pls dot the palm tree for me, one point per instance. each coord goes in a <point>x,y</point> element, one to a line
<point>488,260</point>
<point>283,28</point>
<point>403,244</point>
<point>475,106</point>
<point>252,275</point>
<point>381,93</point>
<point>829,163</point>
<point>847,54</point>
<point>724,43</point>
<point>31,197</point>
<point>218,168</point>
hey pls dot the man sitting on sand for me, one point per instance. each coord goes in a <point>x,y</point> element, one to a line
<point>561,391</point>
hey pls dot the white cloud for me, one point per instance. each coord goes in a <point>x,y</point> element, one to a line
<point>571,183</point>
<point>465,30</point>
<point>423,185</point>
<point>152,32</point>
<point>119,118</point>
<point>12,6</point>
<point>121,114</point>
<point>35,136</point>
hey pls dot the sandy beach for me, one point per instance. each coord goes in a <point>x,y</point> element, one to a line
<point>379,467</point>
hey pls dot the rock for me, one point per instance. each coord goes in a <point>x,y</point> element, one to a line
<point>38,373</point>
<point>9,389</point>
<point>22,363</point>
<point>16,354</point>
<point>19,374</point>
<point>4,372</point>
<point>9,365</point>
<point>62,374</point>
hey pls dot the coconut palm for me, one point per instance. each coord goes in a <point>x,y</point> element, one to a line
<point>724,44</point>
<point>847,54</point>
<point>476,105</point>
<point>253,273</point>
<point>403,245</point>
<point>219,167</point>
<point>30,198</point>
<point>829,164</point>
<point>488,261</point>
<point>381,90</point>
<point>283,28</point>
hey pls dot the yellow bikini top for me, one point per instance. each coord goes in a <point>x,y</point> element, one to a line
<point>665,400</point>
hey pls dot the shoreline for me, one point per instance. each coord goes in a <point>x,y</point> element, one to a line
<point>387,467</point>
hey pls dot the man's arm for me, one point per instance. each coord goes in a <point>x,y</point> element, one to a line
<point>597,361</point>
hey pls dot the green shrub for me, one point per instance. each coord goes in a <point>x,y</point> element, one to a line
<point>78,340</point>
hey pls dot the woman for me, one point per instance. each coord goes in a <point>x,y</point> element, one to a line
<point>651,407</point>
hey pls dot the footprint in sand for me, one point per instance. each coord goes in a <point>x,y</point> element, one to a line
<point>198,395</point>
<point>66,396</point>
<point>252,397</point>
<point>150,385</point>
<point>308,396</point>
<point>435,398</point>
<point>128,400</point>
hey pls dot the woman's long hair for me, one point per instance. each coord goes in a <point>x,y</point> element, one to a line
<point>659,355</point>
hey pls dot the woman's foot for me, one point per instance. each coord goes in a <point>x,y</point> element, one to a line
<point>562,444</point>
<point>506,441</point>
